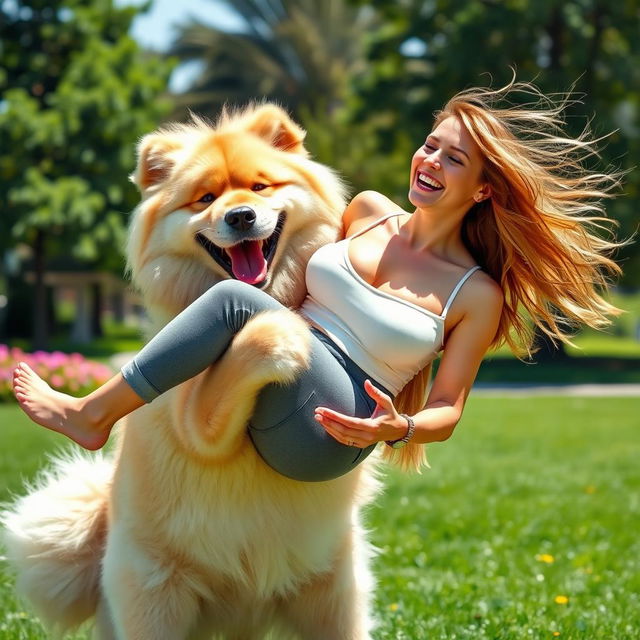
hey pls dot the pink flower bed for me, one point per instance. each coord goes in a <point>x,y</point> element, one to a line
<point>68,372</point>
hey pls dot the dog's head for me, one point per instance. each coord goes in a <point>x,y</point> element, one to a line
<point>236,199</point>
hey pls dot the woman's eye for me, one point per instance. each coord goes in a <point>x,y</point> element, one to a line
<point>258,186</point>
<point>456,160</point>
<point>430,147</point>
<point>207,197</point>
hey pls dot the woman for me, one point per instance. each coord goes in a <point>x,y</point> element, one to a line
<point>501,241</point>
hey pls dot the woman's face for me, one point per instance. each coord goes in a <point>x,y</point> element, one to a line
<point>446,172</point>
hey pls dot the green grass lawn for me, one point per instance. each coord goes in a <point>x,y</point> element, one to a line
<point>532,500</point>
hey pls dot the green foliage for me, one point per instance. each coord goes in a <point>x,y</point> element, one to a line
<point>352,147</point>
<point>300,53</point>
<point>372,77</point>
<point>427,51</point>
<point>306,56</point>
<point>75,95</point>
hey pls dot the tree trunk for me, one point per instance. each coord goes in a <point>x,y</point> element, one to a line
<point>117,305</point>
<point>597,20</point>
<point>555,31</point>
<point>19,312</point>
<point>81,332</point>
<point>97,300</point>
<point>40,311</point>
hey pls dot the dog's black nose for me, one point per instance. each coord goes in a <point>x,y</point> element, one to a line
<point>240,218</point>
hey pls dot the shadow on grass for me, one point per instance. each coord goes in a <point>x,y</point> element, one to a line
<point>569,370</point>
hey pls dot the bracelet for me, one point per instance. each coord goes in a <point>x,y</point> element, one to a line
<point>401,442</point>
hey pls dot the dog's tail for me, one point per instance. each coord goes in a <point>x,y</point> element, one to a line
<point>55,538</point>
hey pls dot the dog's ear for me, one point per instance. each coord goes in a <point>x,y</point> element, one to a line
<point>274,125</point>
<point>155,160</point>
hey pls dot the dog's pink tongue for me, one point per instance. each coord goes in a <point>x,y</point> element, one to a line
<point>247,262</point>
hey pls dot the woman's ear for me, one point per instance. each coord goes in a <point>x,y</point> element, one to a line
<point>483,193</point>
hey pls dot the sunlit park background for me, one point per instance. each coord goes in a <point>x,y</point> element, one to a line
<point>527,524</point>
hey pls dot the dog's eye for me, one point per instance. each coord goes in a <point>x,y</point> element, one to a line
<point>207,197</point>
<point>258,186</point>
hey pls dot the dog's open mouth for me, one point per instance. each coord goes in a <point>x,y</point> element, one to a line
<point>249,260</point>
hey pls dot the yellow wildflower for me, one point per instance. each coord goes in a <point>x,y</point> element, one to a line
<point>561,600</point>
<point>393,607</point>
<point>545,557</point>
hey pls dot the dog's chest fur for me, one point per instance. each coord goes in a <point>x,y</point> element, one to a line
<point>239,523</point>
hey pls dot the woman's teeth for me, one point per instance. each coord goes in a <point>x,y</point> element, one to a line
<point>428,183</point>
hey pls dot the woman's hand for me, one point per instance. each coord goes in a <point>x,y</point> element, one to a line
<point>384,424</point>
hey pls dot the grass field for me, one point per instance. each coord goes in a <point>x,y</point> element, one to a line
<point>527,525</point>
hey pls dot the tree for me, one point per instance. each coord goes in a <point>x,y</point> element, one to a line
<point>300,53</point>
<point>75,94</point>
<point>429,50</point>
<point>306,56</point>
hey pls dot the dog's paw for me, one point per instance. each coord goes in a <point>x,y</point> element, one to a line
<point>276,345</point>
<point>273,347</point>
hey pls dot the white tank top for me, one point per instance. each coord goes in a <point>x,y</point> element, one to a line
<point>388,337</point>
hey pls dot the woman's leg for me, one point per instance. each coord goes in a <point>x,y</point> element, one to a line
<point>195,338</point>
<point>283,428</point>
<point>87,420</point>
<point>191,342</point>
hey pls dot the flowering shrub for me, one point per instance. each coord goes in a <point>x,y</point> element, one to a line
<point>70,373</point>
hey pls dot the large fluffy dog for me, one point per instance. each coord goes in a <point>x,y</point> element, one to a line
<point>186,533</point>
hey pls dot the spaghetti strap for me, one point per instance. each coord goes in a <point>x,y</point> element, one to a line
<point>375,223</point>
<point>457,288</point>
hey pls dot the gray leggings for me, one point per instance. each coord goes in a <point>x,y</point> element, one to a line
<point>283,428</point>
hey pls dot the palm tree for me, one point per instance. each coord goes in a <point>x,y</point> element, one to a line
<point>300,53</point>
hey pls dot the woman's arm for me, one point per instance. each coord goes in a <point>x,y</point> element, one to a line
<point>466,345</point>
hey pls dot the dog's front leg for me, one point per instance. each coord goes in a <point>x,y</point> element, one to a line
<point>103,624</point>
<point>215,409</point>
<point>336,605</point>
<point>147,598</point>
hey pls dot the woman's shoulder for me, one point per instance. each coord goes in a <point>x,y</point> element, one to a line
<point>365,208</point>
<point>481,296</point>
<point>474,317</point>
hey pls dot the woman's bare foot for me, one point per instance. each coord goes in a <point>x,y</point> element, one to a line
<point>74,417</point>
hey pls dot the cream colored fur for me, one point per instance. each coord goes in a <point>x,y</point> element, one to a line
<point>186,533</point>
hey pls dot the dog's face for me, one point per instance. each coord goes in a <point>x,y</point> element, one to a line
<point>238,199</point>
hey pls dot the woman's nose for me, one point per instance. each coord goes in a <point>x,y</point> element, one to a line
<point>433,160</point>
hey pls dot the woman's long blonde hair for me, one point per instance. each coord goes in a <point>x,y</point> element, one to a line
<point>542,235</point>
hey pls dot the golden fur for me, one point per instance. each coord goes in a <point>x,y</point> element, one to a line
<point>196,536</point>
